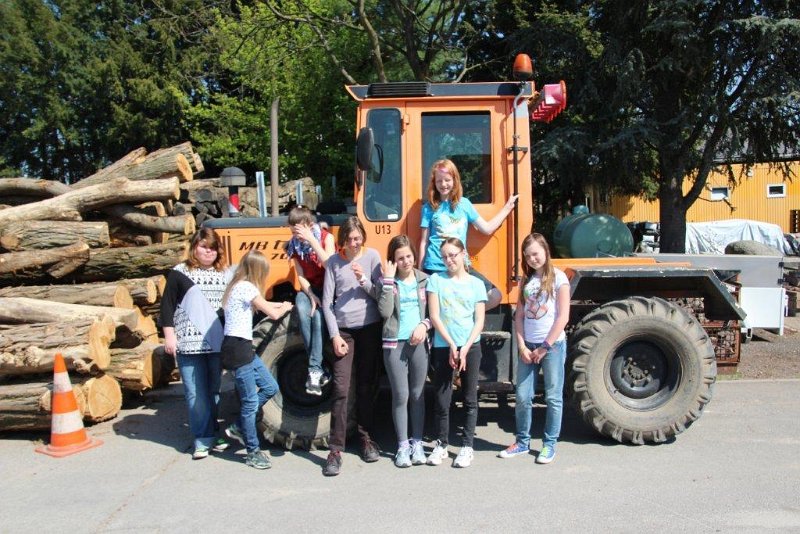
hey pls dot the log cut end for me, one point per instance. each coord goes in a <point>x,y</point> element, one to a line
<point>103,398</point>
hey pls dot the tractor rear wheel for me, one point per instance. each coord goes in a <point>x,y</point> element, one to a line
<point>642,369</point>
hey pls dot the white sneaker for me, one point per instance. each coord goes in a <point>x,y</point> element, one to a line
<point>417,453</point>
<point>464,458</point>
<point>438,454</point>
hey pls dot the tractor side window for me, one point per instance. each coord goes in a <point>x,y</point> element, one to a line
<point>383,186</point>
<point>464,138</point>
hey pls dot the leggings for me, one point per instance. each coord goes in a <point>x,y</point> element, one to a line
<point>442,383</point>
<point>406,365</point>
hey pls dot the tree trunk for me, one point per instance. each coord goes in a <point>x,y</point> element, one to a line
<point>138,368</point>
<point>51,234</point>
<point>130,262</point>
<point>672,217</point>
<point>103,398</point>
<point>32,259</point>
<point>164,163</point>
<point>31,188</point>
<point>27,406</point>
<point>143,291</point>
<point>30,348</point>
<point>123,235</point>
<point>182,224</point>
<point>69,206</point>
<point>21,310</point>
<point>116,295</point>
<point>128,159</point>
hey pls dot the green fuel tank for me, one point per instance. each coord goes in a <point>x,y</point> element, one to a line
<point>592,235</point>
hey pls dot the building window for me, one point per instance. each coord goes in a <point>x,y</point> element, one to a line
<point>776,190</point>
<point>720,193</point>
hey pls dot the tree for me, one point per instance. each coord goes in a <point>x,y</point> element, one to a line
<point>420,39</point>
<point>255,61</point>
<point>672,89</point>
<point>82,83</point>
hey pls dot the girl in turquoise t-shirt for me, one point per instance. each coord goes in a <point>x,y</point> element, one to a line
<point>402,302</point>
<point>457,305</point>
<point>447,213</point>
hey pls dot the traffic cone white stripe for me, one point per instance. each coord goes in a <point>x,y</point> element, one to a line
<point>61,383</point>
<point>66,423</point>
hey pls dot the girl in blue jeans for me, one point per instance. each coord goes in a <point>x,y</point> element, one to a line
<point>542,313</point>
<point>309,250</point>
<point>253,380</point>
<point>193,333</point>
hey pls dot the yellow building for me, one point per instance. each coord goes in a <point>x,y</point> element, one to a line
<point>760,194</point>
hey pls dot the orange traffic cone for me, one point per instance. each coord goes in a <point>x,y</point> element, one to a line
<point>67,435</point>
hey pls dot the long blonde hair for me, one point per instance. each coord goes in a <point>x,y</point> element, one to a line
<point>548,275</point>
<point>253,268</point>
<point>434,198</point>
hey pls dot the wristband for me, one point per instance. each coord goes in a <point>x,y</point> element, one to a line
<point>545,345</point>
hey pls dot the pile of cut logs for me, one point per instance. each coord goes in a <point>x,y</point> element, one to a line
<point>82,273</point>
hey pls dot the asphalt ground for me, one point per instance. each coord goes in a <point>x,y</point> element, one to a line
<point>736,469</point>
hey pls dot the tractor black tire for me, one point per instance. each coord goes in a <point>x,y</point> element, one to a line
<point>641,370</point>
<point>293,418</point>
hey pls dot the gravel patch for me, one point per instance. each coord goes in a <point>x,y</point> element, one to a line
<point>769,355</point>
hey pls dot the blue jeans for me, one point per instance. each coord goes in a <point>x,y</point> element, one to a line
<point>311,328</point>
<point>201,375</point>
<point>552,366</point>
<point>255,386</point>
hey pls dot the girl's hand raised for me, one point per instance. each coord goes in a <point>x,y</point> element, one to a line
<point>358,270</point>
<point>510,204</point>
<point>304,233</point>
<point>389,269</point>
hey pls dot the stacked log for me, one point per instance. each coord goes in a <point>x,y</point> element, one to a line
<point>82,273</point>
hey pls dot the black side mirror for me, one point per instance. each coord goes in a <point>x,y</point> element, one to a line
<point>364,146</point>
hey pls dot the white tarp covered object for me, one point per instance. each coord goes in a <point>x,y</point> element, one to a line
<point>712,237</point>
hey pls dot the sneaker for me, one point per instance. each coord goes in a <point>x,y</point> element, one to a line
<point>438,454</point>
<point>417,453</point>
<point>324,380</point>
<point>369,451</point>
<point>464,458</point>
<point>258,460</point>
<point>546,455</point>
<point>234,432</point>
<point>333,464</point>
<point>219,445</point>
<point>200,452</point>
<point>313,386</point>
<point>514,450</point>
<point>403,457</point>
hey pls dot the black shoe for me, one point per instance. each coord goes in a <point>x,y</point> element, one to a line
<point>324,379</point>
<point>333,464</point>
<point>369,451</point>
